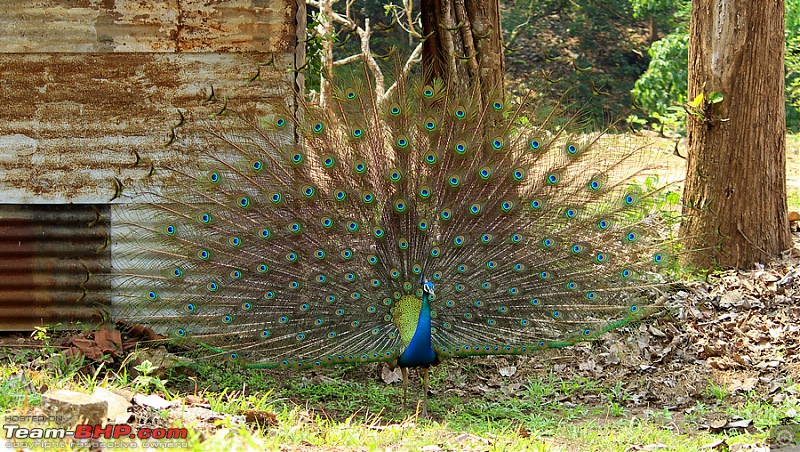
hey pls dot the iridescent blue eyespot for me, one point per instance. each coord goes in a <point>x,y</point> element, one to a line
<point>600,257</point>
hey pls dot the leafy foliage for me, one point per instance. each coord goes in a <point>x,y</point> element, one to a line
<point>665,83</point>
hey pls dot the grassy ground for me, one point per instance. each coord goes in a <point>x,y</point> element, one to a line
<point>475,404</point>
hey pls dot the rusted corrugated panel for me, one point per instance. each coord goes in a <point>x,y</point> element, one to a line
<point>96,91</point>
<point>50,256</point>
<point>147,26</point>
<point>72,126</point>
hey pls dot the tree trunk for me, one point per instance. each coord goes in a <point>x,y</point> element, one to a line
<point>735,195</point>
<point>464,43</point>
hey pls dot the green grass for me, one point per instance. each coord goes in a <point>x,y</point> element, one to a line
<point>349,408</point>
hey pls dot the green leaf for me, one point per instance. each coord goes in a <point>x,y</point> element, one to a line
<point>697,101</point>
<point>715,97</point>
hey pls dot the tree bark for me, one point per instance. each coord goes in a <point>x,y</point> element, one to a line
<point>463,43</point>
<point>735,196</point>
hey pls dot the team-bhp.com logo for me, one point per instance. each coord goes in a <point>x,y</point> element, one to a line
<point>15,433</point>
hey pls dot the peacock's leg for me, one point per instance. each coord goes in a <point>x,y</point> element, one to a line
<point>425,391</point>
<point>405,385</point>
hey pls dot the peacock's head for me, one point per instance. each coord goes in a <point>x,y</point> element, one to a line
<point>427,286</point>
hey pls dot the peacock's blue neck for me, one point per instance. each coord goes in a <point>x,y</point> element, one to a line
<point>419,352</point>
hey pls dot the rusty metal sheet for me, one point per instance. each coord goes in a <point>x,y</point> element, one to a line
<point>49,256</point>
<point>147,26</point>
<point>74,126</point>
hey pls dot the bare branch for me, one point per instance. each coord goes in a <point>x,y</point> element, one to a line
<point>415,57</point>
<point>348,60</point>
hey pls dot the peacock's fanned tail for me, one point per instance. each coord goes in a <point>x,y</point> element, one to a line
<point>279,251</point>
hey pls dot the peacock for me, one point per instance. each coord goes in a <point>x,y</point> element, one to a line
<point>430,224</point>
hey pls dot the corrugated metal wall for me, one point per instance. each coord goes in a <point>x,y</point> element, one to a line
<point>92,92</point>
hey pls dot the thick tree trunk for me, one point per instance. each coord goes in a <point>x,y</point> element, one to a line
<point>464,43</point>
<point>735,195</point>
